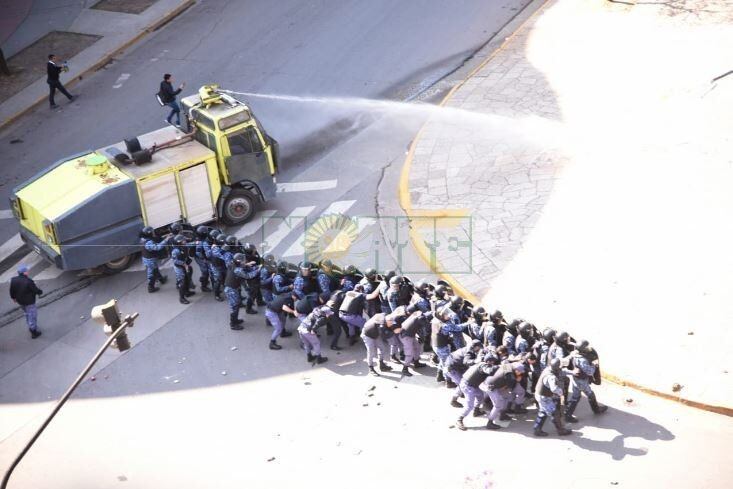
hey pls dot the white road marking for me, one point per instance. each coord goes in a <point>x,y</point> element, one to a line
<point>285,227</point>
<point>306,186</point>
<point>122,79</point>
<point>10,246</point>
<point>31,260</point>
<point>338,207</point>
<point>6,214</point>
<point>258,220</point>
<point>51,272</point>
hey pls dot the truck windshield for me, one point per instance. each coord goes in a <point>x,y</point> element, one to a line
<point>244,141</point>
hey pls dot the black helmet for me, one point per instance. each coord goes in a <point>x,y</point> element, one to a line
<point>422,286</point>
<point>479,314</point>
<point>282,267</point>
<point>176,227</point>
<point>147,232</point>
<point>269,259</point>
<point>496,316</point>
<point>305,266</point>
<point>512,327</point>
<point>326,265</point>
<point>440,291</point>
<point>213,234</point>
<point>562,338</point>
<point>456,302</point>
<point>396,280</point>
<point>388,275</point>
<point>303,306</point>
<point>548,335</point>
<point>525,329</point>
<point>179,240</point>
<point>238,258</point>
<point>231,240</point>
<point>370,273</point>
<point>202,232</point>
<point>555,365</point>
<point>583,346</point>
<point>221,239</point>
<point>351,270</point>
<point>249,248</point>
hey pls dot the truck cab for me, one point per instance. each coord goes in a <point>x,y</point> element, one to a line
<point>86,210</point>
<point>246,155</point>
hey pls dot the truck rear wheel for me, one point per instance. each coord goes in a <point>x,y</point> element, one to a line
<point>238,207</point>
<point>118,265</point>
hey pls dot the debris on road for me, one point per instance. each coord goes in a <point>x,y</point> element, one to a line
<point>372,387</point>
<point>176,381</point>
<point>271,459</point>
<point>676,387</point>
<point>223,372</point>
<point>92,378</point>
<point>234,348</point>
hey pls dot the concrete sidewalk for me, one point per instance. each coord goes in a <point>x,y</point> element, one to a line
<point>118,31</point>
<point>592,162</point>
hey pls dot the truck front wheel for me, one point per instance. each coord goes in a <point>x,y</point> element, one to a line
<point>238,207</point>
<point>118,265</point>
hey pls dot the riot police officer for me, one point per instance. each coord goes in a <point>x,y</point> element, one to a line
<point>181,266</point>
<point>215,261</point>
<point>548,395</point>
<point>351,311</point>
<point>153,250</point>
<point>239,272</point>
<point>253,287</point>
<point>304,285</point>
<point>370,283</point>
<point>350,279</point>
<point>281,282</point>
<point>267,274</point>
<point>584,361</point>
<point>202,232</point>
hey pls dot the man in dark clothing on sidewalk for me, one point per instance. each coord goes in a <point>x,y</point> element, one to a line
<point>54,70</point>
<point>168,97</point>
<point>23,290</point>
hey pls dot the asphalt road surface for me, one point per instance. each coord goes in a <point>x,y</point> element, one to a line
<point>194,404</point>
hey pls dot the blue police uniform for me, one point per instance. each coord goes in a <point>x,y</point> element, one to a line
<point>200,257</point>
<point>280,284</point>
<point>151,253</point>
<point>266,284</point>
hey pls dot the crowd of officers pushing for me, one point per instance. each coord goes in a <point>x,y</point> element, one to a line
<point>505,361</point>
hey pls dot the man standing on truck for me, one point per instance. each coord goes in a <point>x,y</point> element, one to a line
<point>23,291</point>
<point>168,97</point>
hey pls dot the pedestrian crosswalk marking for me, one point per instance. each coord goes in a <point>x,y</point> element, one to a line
<point>338,207</point>
<point>306,186</point>
<point>255,224</point>
<point>285,227</point>
<point>6,214</point>
<point>31,260</point>
<point>10,246</point>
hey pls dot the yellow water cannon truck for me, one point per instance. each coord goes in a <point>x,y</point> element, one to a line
<point>86,211</point>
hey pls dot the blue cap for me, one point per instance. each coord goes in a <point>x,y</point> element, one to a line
<point>23,269</point>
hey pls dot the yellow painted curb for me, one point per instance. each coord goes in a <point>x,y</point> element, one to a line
<point>104,59</point>
<point>427,256</point>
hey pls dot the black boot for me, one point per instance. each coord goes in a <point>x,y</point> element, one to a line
<point>249,310</point>
<point>492,426</point>
<point>561,430</point>
<point>205,287</point>
<point>505,417</point>
<point>454,402</point>
<point>183,300</point>
<point>417,364</point>
<point>163,279</point>
<point>406,372</point>
<point>384,367</point>
<point>152,288</point>
<point>286,334</point>
<point>320,359</point>
<point>310,357</point>
<point>538,425</point>
<point>274,345</point>
<point>569,410</point>
<point>439,376</point>
<point>597,408</point>
<point>459,424</point>
<point>478,412</point>
<point>373,372</point>
<point>450,384</point>
<point>235,323</point>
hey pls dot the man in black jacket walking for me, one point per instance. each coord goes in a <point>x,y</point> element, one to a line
<point>168,97</point>
<point>53,71</point>
<point>23,290</point>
